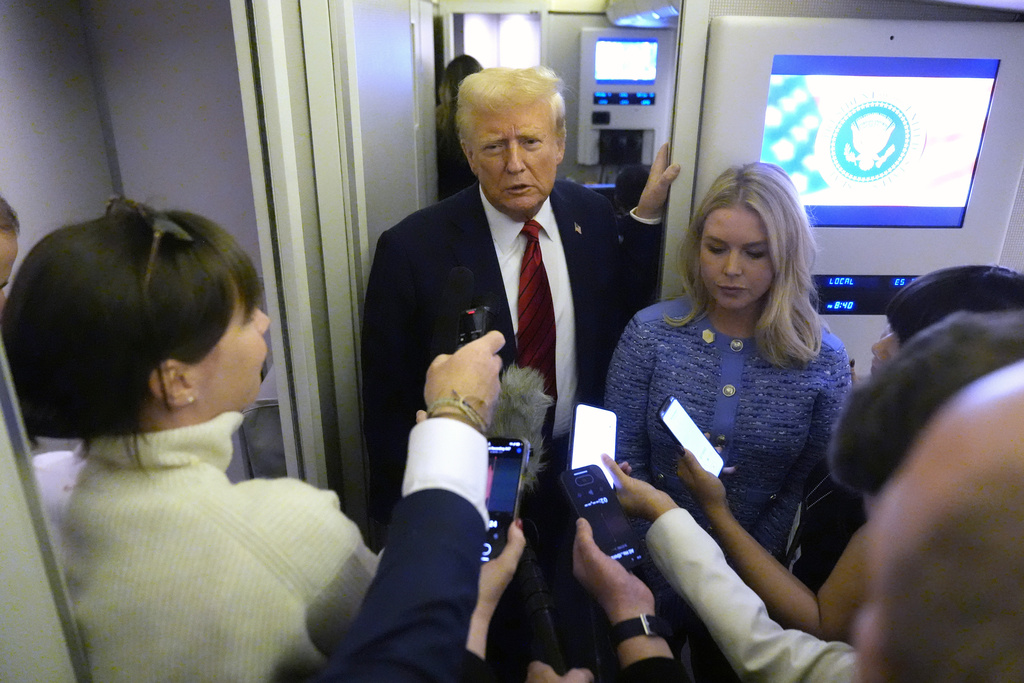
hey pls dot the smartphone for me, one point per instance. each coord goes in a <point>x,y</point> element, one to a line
<point>594,499</point>
<point>593,433</point>
<point>505,466</point>
<point>688,435</point>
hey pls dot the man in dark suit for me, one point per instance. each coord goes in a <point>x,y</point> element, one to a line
<point>512,125</point>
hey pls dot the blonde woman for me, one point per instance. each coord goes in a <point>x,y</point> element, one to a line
<point>744,351</point>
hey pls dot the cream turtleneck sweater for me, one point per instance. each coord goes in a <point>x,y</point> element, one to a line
<point>178,574</point>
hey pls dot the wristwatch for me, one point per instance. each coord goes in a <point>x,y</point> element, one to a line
<point>643,625</point>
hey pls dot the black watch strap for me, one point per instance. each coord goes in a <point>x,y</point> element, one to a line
<point>643,625</point>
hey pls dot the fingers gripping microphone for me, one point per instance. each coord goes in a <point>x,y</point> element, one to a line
<point>456,297</point>
<point>520,413</point>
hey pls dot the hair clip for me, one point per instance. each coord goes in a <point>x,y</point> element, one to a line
<point>158,221</point>
<point>162,223</point>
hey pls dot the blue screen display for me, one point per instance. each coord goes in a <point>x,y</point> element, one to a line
<point>626,61</point>
<point>879,141</point>
<point>857,294</point>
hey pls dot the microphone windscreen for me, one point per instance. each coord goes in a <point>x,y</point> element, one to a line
<point>456,297</point>
<point>519,414</point>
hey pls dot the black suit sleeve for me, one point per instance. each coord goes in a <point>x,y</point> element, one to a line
<point>393,370</point>
<point>415,618</point>
<point>639,261</point>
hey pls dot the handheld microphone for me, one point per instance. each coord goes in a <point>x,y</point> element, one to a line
<point>541,609</point>
<point>477,320</point>
<point>456,297</point>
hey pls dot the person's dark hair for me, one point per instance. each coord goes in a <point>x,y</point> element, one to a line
<point>448,97</point>
<point>8,218</point>
<point>629,185</point>
<point>930,298</point>
<point>97,306</point>
<point>885,413</point>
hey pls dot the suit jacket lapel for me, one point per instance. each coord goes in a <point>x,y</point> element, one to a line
<point>572,227</point>
<point>571,232</point>
<point>473,247</point>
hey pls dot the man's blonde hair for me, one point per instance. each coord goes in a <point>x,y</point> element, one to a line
<point>501,88</point>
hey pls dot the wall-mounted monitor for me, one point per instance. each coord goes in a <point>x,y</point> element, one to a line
<point>879,141</point>
<point>905,138</point>
<point>626,61</point>
<point>625,95</point>
<point>940,100</point>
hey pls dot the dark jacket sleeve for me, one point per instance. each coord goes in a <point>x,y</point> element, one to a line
<point>661,669</point>
<point>476,670</point>
<point>415,618</point>
<point>639,265</point>
<point>393,370</point>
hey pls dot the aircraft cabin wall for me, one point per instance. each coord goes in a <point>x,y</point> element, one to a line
<point>145,103</point>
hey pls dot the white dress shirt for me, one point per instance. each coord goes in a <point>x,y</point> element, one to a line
<point>510,245</point>
<point>447,454</point>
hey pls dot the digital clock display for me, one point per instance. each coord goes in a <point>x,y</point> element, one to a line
<point>857,294</point>
<point>841,306</point>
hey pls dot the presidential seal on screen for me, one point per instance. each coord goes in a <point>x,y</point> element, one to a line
<point>870,140</point>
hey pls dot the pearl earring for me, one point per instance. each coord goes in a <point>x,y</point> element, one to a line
<point>191,400</point>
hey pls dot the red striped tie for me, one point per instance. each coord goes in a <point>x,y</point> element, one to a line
<point>535,339</point>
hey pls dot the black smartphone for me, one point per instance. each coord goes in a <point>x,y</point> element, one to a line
<point>593,433</point>
<point>506,464</point>
<point>594,499</point>
<point>688,435</point>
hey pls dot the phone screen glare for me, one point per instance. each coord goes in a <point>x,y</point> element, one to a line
<point>593,435</point>
<point>689,435</point>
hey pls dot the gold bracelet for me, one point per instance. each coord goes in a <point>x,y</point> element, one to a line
<point>459,403</point>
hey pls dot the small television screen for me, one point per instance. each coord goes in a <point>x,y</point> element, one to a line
<point>879,141</point>
<point>626,61</point>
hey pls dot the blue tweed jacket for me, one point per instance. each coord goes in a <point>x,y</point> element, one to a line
<point>775,423</point>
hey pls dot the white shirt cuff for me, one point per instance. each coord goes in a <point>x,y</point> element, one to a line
<point>450,455</point>
<point>645,221</point>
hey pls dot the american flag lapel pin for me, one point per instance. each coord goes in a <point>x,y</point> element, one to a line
<point>579,230</point>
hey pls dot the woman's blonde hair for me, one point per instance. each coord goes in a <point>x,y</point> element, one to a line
<point>788,332</point>
<point>502,88</point>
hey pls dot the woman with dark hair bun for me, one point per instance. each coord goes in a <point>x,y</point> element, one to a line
<point>931,297</point>
<point>140,333</point>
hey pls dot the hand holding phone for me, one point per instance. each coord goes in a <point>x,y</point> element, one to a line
<point>506,464</point>
<point>593,434</point>
<point>688,435</point>
<point>594,499</point>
